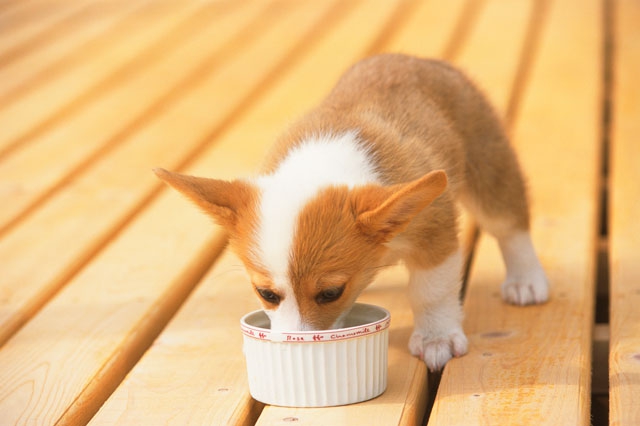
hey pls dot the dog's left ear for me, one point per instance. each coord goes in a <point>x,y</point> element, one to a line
<point>223,200</point>
<point>386,211</point>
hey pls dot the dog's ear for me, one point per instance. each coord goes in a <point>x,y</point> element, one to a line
<point>223,200</point>
<point>383,212</point>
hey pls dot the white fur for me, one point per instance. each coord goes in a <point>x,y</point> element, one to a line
<point>526,282</point>
<point>317,163</point>
<point>437,334</point>
<point>288,314</point>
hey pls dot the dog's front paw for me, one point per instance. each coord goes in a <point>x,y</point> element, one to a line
<point>435,352</point>
<point>526,289</point>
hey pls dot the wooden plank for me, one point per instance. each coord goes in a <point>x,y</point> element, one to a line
<point>8,8</point>
<point>624,231</point>
<point>8,5</point>
<point>61,366</point>
<point>532,365</point>
<point>206,382</point>
<point>28,174</point>
<point>19,75</point>
<point>495,74</point>
<point>91,222</point>
<point>37,110</point>
<point>224,295</point>
<point>428,30</point>
<point>97,327</point>
<point>25,25</point>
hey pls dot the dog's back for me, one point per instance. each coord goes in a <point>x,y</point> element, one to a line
<point>417,115</point>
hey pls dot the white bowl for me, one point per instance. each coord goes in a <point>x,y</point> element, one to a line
<point>318,368</point>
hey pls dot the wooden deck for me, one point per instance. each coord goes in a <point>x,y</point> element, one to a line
<point>118,301</point>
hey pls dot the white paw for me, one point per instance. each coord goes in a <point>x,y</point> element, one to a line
<point>526,289</point>
<point>435,352</point>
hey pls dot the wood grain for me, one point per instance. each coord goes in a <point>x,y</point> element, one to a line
<point>54,53</point>
<point>32,22</point>
<point>624,357</point>
<point>74,141</point>
<point>27,115</point>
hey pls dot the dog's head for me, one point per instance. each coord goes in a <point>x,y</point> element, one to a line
<point>308,260</point>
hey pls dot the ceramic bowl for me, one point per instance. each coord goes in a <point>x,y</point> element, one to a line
<point>318,368</point>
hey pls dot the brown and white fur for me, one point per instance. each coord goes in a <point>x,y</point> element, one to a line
<point>371,177</point>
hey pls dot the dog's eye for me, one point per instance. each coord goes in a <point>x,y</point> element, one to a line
<point>329,295</point>
<point>268,295</point>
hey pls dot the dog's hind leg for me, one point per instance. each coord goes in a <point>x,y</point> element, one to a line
<point>495,194</point>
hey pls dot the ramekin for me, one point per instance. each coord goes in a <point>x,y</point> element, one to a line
<point>318,368</point>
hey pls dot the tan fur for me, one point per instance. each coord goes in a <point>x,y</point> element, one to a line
<point>417,116</point>
<point>419,119</point>
<point>231,203</point>
<point>356,224</point>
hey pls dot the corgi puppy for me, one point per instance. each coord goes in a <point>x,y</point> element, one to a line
<point>370,177</point>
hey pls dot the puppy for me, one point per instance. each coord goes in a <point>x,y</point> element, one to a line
<point>371,177</point>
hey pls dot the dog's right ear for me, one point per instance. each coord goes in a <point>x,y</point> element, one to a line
<point>221,199</point>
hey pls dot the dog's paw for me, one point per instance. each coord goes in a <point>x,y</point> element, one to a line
<point>435,352</point>
<point>526,289</point>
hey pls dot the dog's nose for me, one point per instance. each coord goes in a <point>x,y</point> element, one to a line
<point>283,323</point>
